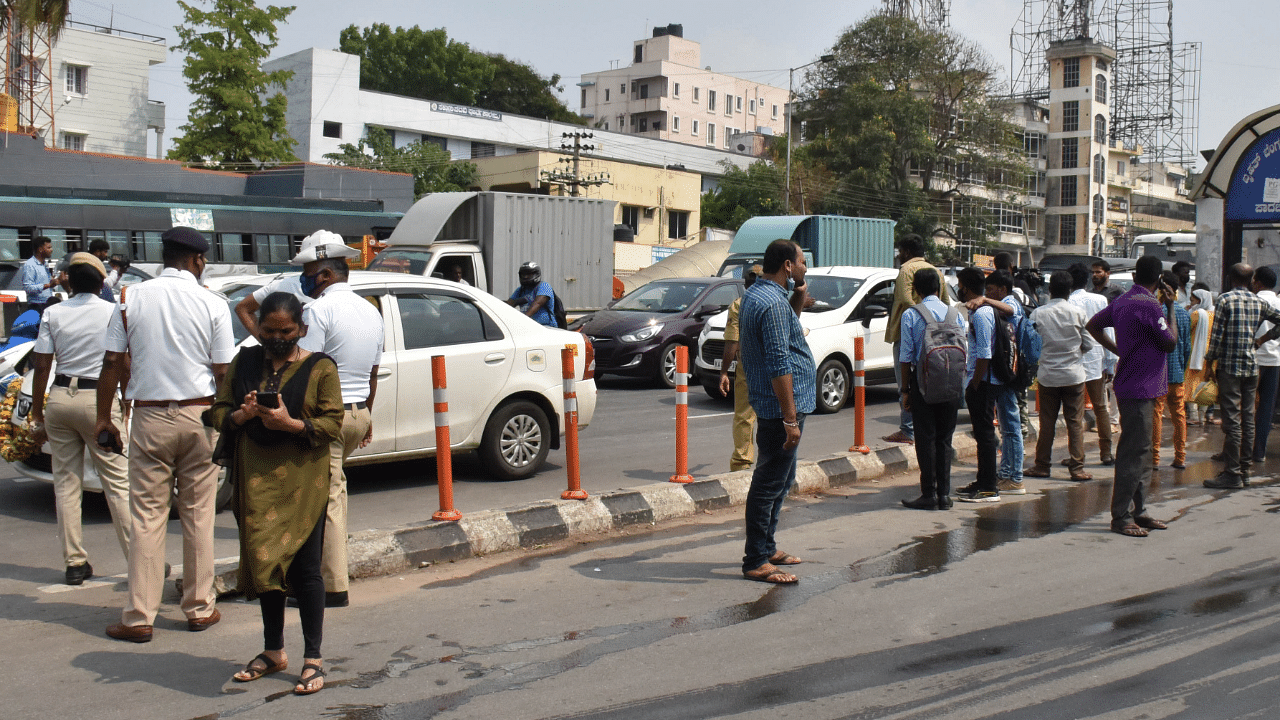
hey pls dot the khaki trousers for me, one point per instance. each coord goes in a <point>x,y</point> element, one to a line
<point>1176,401</point>
<point>1070,400</point>
<point>355,425</point>
<point>744,421</point>
<point>69,418</point>
<point>171,444</point>
<point>1102,406</point>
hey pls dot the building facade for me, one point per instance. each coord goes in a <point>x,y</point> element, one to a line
<point>666,94</point>
<point>101,92</point>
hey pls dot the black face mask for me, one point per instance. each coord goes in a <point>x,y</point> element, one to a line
<point>280,348</point>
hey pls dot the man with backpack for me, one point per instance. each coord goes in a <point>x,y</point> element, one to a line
<point>534,297</point>
<point>980,395</point>
<point>933,362</point>
<point>1061,376</point>
<point>1005,375</point>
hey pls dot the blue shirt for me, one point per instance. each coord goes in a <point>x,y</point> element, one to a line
<point>34,276</point>
<point>982,333</point>
<point>526,297</point>
<point>913,331</point>
<point>1182,353</point>
<point>772,344</point>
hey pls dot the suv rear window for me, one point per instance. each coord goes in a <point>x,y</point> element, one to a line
<point>408,262</point>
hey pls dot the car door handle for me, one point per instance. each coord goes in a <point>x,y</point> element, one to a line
<point>494,358</point>
<point>383,374</point>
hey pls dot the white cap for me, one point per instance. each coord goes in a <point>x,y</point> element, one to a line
<point>321,245</point>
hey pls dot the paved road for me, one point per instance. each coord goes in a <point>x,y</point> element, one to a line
<point>631,442</point>
<point>1026,609</point>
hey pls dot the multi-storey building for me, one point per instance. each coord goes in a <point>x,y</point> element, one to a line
<point>666,94</point>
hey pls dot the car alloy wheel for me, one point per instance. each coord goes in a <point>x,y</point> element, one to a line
<point>667,363</point>
<point>833,386</point>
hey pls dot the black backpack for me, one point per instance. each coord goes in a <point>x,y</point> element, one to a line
<point>557,311</point>
<point>1004,351</point>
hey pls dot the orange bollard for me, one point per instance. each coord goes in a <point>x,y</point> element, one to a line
<point>859,398</point>
<point>575,491</point>
<point>444,455</point>
<point>682,417</point>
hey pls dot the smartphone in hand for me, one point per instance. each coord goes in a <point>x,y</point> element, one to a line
<point>269,400</point>
<point>110,442</point>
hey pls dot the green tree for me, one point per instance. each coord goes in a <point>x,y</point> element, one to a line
<point>427,64</point>
<point>427,162</point>
<point>908,120</point>
<point>743,194</point>
<point>49,16</point>
<point>233,122</point>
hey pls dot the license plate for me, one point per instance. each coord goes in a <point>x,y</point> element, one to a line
<point>732,366</point>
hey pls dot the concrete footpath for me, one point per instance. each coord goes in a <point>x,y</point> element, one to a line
<point>391,550</point>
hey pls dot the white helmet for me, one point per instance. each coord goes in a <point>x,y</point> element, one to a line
<point>321,245</point>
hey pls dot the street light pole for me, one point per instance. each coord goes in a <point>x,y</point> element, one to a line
<point>791,101</point>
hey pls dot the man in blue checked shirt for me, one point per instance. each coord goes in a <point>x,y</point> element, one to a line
<point>781,385</point>
<point>37,281</point>
<point>935,423</point>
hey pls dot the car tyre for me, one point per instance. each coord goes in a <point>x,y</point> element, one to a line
<point>667,365</point>
<point>833,386</point>
<point>516,441</point>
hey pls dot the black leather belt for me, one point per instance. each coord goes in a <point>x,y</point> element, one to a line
<point>65,381</point>
<point>356,406</point>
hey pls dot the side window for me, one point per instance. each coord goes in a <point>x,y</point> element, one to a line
<point>880,295</point>
<point>722,296</point>
<point>435,319</point>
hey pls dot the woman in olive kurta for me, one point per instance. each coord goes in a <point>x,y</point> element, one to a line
<point>280,464</point>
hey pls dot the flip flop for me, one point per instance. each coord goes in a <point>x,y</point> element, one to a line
<point>305,680</point>
<point>1131,530</point>
<point>769,574</point>
<point>269,666</point>
<point>782,558</point>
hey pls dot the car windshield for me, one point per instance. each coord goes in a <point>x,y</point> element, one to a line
<point>236,293</point>
<point>409,262</point>
<point>663,297</point>
<point>830,291</point>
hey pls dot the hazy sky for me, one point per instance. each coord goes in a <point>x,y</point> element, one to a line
<point>754,40</point>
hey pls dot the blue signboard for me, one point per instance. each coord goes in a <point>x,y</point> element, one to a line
<point>1254,194</point>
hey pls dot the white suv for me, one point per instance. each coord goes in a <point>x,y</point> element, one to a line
<point>850,301</point>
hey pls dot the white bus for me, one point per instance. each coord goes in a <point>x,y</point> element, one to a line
<point>1170,247</point>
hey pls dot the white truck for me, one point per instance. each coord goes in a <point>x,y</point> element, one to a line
<point>489,234</point>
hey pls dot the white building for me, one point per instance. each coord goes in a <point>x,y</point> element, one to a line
<point>666,94</point>
<point>327,109</point>
<point>101,91</point>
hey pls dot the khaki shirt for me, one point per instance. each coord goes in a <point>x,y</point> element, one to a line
<point>731,325</point>
<point>904,295</point>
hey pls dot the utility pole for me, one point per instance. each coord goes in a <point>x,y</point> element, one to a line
<point>574,179</point>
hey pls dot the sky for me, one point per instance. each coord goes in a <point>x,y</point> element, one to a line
<point>754,40</point>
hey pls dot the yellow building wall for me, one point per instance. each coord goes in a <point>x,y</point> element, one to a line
<point>655,192</point>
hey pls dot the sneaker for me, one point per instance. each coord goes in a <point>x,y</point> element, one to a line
<point>1011,487</point>
<point>969,489</point>
<point>981,496</point>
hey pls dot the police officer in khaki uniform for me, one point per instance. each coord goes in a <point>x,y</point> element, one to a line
<point>181,334</point>
<point>744,418</point>
<point>347,328</point>
<point>74,333</point>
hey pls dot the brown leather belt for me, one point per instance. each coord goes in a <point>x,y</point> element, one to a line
<point>180,403</point>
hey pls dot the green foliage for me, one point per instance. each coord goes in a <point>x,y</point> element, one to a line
<point>233,122</point>
<point>426,64</point>
<point>427,162</point>
<point>903,119</point>
<point>744,194</point>
<point>50,16</point>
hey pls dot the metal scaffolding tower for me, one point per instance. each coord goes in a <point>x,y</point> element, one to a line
<point>934,14</point>
<point>28,75</point>
<point>1155,81</point>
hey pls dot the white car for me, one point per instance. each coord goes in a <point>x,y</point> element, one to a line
<point>506,392</point>
<point>850,301</point>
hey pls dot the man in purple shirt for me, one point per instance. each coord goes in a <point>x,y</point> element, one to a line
<point>1143,342</point>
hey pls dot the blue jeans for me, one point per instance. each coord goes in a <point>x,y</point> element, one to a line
<point>774,472</point>
<point>1010,431</point>
<point>1268,384</point>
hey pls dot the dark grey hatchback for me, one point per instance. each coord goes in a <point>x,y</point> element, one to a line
<point>638,335</point>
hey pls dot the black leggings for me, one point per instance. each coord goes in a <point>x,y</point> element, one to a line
<point>308,586</point>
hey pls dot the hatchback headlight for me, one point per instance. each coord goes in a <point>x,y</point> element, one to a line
<point>642,334</point>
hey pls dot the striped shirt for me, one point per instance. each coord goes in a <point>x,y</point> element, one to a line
<point>1236,316</point>
<point>772,344</point>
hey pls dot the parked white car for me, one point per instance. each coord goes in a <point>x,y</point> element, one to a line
<point>506,397</point>
<point>850,301</point>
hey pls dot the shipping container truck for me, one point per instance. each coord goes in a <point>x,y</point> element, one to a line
<point>827,240</point>
<point>490,234</point>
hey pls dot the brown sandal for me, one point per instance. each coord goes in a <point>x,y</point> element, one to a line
<point>1130,530</point>
<point>268,667</point>
<point>304,682</point>
<point>782,558</point>
<point>767,573</point>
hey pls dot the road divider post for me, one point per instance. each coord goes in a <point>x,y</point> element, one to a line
<point>682,416</point>
<point>859,397</point>
<point>444,455</point>
<point>575,491</point>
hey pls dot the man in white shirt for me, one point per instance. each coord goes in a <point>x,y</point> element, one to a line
<point>347,328</point>
<point>1098,363</point>
<point>74,333</point>
<point>1061,376</point>
<point>178,334</point>
<point>247,308</point>
<point>1264,286</point>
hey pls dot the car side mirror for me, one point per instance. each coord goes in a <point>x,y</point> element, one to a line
<point>708,310</point>
<point>873,312</point>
